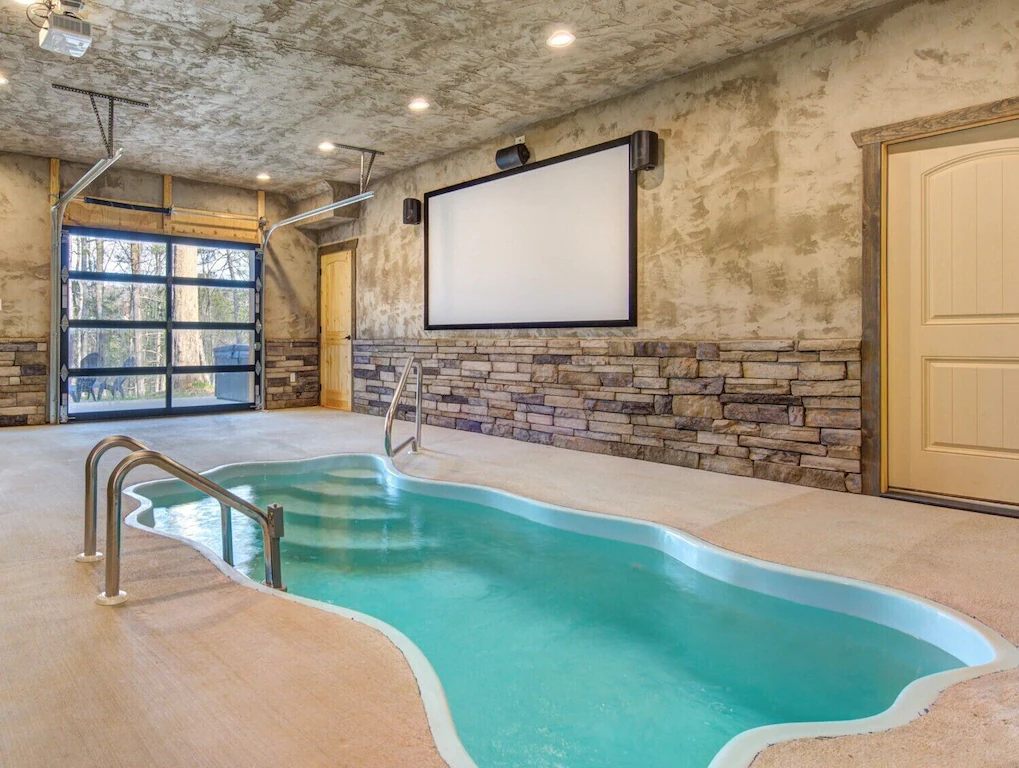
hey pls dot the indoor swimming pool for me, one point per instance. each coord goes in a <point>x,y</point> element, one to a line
<point>563,638</point>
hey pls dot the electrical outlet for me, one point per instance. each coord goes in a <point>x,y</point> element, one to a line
<point>520,140</point>
<point>293,378</point>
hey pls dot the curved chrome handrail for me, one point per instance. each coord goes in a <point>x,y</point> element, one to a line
<point>89,553</point>
<point>415,441</point>
<point>271,520</point>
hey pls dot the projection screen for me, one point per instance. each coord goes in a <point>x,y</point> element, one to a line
<point>549,245</point>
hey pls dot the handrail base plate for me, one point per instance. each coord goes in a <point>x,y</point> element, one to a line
<point>83,558</point>
<point>121,597</point>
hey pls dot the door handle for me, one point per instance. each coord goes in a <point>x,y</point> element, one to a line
<point>347,337</point>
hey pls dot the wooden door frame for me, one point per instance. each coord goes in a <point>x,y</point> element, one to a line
<point>330,250</point>
<point>875,143</point>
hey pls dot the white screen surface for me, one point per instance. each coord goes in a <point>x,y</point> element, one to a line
<point>547,246</point>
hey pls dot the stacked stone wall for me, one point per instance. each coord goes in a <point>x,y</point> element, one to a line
<point>24,364</point>
<point>786,410</point>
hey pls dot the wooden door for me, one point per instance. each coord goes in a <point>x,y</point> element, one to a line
<point>336,310</point>
<point>953,314</point>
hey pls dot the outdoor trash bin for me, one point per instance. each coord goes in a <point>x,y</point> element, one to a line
<point>233,386</point>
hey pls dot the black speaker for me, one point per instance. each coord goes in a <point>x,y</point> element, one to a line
<point>512,157</point>
<point>411,210</point>
<point>643,151</point>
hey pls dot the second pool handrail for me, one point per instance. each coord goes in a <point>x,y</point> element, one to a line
<point>415,441</point>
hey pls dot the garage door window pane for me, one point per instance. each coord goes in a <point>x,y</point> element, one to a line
<point>212,263</point>
<point>120,256</point>
<point>204,389</point>
<point>207,304</point>
<point>194,348</point>
<point>97,394</point>
<point>116,348</point>
<point>105,300</point>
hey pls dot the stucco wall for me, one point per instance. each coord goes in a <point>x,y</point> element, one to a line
<point>751,227</point>
<point>24,247</point>
<point>291,302</point>
<point>291,279</point>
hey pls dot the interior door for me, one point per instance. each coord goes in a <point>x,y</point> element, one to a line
<point>953,314</point>
<point>336,332</point>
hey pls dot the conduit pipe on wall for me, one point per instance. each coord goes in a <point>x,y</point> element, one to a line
<point>265,255</point>
<point>57,225</point>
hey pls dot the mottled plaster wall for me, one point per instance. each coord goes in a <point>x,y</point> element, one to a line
<point>291,303</point>
<point>24,247</point>
<point>291,277</point>
<point>751,227</point>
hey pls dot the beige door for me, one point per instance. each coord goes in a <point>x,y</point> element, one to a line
<point>337,323</point>
<point>953,314</point>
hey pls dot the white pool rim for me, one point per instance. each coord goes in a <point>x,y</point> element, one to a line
<point>983,650</point>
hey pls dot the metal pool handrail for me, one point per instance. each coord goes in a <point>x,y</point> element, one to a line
<point>89,553</point>
<point>415,441</point>
<point>270,520</point>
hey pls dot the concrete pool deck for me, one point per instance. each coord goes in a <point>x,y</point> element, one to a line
<point>196,670</point>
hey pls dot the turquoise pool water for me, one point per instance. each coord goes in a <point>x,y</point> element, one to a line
<point>557,648</point>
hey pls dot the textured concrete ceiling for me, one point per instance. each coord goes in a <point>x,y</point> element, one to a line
<point>238,88</point>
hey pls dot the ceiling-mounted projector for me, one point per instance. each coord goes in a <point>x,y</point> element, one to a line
<point>62,32</point>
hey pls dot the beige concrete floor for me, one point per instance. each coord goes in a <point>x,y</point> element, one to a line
<point>195,670</point>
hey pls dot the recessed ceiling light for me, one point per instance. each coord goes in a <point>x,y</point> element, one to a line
<point>3,80</point>
<point>418,105</point>
<point>560,39</point>
<point>327,146</point>
<point>263,177</point>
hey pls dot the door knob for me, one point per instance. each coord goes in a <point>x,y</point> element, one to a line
<point>347,337</point>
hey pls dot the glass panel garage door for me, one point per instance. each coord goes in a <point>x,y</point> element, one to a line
<point>155,325</point>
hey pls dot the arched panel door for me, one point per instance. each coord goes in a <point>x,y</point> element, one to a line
<point>953,314</point>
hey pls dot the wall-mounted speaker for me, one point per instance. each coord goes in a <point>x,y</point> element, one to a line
<point>512,157</point>
<point>411,210</point>
<point>643,150</point>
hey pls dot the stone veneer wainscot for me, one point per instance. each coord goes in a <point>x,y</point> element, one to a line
<point>284,357</point>
<point>786,410</point>
<point>23,369</point>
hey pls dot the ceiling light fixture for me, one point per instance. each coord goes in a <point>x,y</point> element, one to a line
<point>3,80</point>
<point>560,39</point>
<point>327,146</point>
<point>263,177</point>
<point>418,105</point>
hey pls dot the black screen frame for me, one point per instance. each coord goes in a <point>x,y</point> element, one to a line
<point>628,322</point>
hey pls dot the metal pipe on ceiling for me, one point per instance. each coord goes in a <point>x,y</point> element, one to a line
<point>265,254</point>
<point>317,212</point>
<point>56,225</point>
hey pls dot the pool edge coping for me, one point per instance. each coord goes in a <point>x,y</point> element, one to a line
<point>740,751</point>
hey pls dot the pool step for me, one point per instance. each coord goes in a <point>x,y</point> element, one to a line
<point>355,476</point>
<point>340,515</point>
<point>355,535</point>
<point>366,552</point>
<point>325,491</point>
